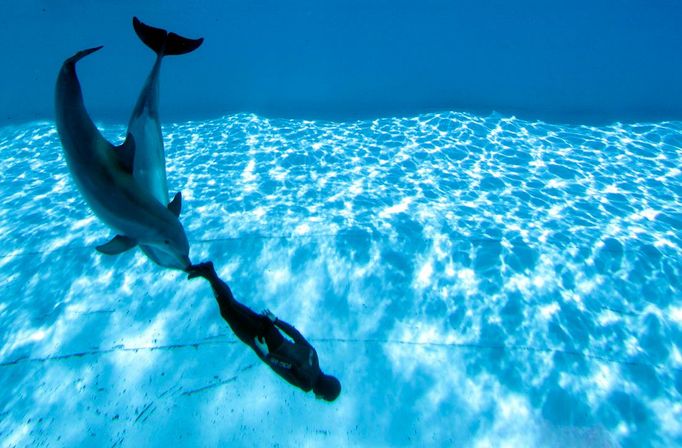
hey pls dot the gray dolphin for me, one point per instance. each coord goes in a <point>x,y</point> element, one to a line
<point>149,165</point>
<point>104,173</point>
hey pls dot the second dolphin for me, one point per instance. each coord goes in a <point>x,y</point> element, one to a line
<point>149,166</point>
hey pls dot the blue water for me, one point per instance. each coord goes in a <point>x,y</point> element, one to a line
<point>472,281</point>
<point>579,61</point>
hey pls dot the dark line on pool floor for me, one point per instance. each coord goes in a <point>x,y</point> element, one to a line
<point>143,411</point>
<point>217,383</point>
<point>118,348</point>
<point>452,345</point>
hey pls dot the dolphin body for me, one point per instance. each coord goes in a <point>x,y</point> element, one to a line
<point>105,174</point>
<point>149,165</point>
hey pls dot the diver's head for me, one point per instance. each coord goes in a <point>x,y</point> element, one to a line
<point>327,387</point>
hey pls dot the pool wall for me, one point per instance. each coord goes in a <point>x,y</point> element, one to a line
<point>579,61</point>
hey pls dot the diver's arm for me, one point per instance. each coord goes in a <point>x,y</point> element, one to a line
<point>292,332</point>
<point>222,292</point>
<point>206,270</point>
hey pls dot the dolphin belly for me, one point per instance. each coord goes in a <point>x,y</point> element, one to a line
<point>149,167</point>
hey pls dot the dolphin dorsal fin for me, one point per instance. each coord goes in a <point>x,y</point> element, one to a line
<point>117,245</point>
<point>175,206</point>
<point>126,153</point>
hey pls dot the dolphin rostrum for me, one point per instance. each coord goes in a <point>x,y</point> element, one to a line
<point>105,174</point>
<point>149,164</point>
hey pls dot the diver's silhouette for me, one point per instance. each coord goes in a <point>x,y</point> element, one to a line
<point>294,361</point>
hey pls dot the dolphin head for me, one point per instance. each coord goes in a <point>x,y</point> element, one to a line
<point>169,249</point>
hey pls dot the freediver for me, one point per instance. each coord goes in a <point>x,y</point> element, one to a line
<point>294,360</point>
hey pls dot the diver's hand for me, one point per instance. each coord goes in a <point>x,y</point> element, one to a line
<point>192,272</point>
<point>205,270</point>
<point>261,345</point>
<point>267,313</point>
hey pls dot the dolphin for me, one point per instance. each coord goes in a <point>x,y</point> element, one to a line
<point>105,174</point>
<point>149,164</point>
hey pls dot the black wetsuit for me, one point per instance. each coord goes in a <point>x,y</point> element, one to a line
<point>294,361</point>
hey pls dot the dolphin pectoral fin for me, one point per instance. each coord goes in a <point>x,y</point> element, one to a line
<point>126,153</point>
<point>163,42</point>
<point>118,245</point>
<point>175,206</point>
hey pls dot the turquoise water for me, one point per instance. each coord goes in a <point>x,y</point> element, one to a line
<point>472,281</point>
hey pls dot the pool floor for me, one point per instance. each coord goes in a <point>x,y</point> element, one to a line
<point>472,281</point>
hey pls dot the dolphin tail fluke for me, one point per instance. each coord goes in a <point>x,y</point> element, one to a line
<point>163,42</point>
<point>118,245</point>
